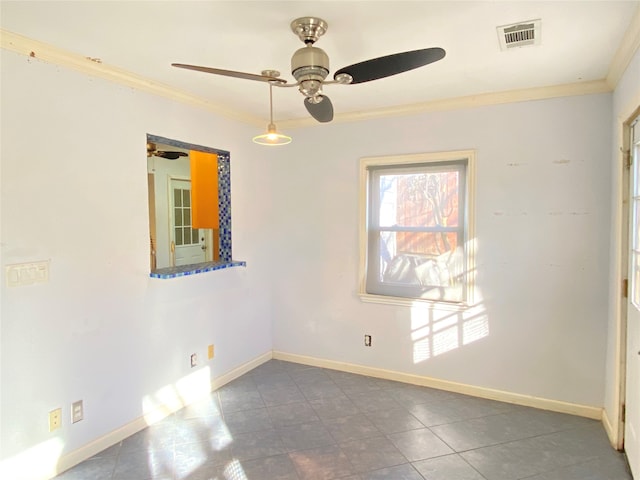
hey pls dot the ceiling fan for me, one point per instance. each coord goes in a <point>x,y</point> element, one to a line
<point>152,151</point>
<point>310,67</point>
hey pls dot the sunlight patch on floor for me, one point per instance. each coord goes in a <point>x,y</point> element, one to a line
<point>201,421</point>
<point>171,398</point>
<point>234,471</point>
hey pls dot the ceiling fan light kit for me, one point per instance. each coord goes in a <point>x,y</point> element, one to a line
<point>272,137</point>
<point>310,68</point>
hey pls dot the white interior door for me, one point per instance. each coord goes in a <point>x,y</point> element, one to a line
<point>632,395</point>
<point>188,244</point>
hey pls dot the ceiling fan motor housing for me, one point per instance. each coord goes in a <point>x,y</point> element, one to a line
<point>309,29</point>
<point>310,66</point>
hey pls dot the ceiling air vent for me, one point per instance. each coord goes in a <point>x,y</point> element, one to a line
<point>519,34</point>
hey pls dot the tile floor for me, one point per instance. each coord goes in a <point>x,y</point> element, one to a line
<point>285,421</point>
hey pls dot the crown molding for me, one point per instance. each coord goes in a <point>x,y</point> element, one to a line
<point>471,101</point>
<point>50,54</point>
<point>42,51</point>
<point>627,49</point>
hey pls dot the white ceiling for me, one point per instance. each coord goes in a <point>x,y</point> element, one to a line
<point>579,43</point>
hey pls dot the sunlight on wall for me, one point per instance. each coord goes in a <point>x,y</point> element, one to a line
<point>436,331</point>
<point>445,336</point>
<point>171,398</point>
<point>38,462</point>
<point>475,329</point>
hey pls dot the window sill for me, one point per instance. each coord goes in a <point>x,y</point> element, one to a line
<point>183,271</point>
<point>411,302</point>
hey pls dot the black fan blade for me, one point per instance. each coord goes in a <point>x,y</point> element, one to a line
<point>230,73</point>
<point>321,111</point>
<point>391,64</point>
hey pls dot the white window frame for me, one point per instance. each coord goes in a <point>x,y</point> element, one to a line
<point>469,243</point>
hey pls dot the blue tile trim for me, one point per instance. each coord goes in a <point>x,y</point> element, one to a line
<point>224,213</point>
<point>224,202</point>
<point>183,271</point>
<point>186,145</point>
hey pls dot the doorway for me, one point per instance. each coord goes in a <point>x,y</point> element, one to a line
<point>188,244</point>
<point>631,405</point>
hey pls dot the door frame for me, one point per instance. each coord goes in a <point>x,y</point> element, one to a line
<point>153,241</point>
<point>615,426</point>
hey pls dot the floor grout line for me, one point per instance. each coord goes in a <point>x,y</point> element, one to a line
<point>279,389</point>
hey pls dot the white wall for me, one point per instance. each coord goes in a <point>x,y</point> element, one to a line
<point>542,215</point>
<point>626,100</point>
<point>74,191</point>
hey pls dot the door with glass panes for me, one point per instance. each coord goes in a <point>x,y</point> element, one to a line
<point>188,245</point>
<point>632,397</point>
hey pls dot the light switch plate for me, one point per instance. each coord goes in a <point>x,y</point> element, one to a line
<point>22,274</point>
<point>77,411</point>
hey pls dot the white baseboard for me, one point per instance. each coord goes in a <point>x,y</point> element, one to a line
<point>78,456</point>
<point>241,370</point>
<point>609,428</point>
<point>72,459</point>
<point>476,391</point>
<point>613,431</point>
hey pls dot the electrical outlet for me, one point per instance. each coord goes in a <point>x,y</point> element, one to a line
<point>210,352</point>
<point>55,419</point>
<point>367,340</point>
<point>194,360</point>
<point>77,411</point>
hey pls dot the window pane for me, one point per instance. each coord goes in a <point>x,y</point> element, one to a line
<point>635,231</point>
<point>418,258</point>
<point>635,279</point>
<point>635,170</point>
<point>430,244</point>
<point>187,217</point>
<point>186,198</point>
<point>178,236</point>
<point>177,197</point>
<point>187,236</point>
<point>177,215</point>
<point>419,199</point>
<point>194,235</point>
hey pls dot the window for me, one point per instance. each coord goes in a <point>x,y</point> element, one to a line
<point>416,228</point>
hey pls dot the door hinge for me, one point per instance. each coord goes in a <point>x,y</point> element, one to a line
<point>626,158</point>
<point>625,288</point>
<point>623,413</point>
